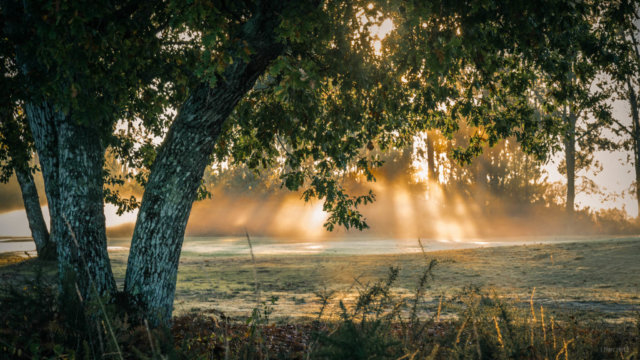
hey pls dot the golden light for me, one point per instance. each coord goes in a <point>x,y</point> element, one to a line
<point>376,32</point>
<point>420,171</point>
<point>405,217</point>
<point>377,47</point>
<point>380,32</point>
<point>419,164</point>
<point>317,216</point>
<point>295,217</point>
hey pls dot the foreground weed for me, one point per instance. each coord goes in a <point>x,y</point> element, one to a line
<point>363,331</point>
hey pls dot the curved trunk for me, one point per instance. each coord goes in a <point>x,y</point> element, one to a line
<point>173,183</point>
<point>46,249</point>
<point>166,204</point>
<point>177,172</point>
<point>42,119</point>
<point>20,155</point>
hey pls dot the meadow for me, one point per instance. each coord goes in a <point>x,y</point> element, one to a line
<point>595,276</point>
<point>584,291</point>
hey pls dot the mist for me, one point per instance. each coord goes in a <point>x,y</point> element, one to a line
<point>11,195</point>
<point>502,193</point>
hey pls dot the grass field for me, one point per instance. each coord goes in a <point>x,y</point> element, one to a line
<point>599,278</point>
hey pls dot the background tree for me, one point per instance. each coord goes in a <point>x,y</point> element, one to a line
<point>579,100</point>
<point>621,27</point>
<point>16,149</point>
<point>16,155</point>
<point>327,96</point>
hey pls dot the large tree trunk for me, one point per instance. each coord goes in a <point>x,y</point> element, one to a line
<point>45,248</point>
<point>82,248</point>
<point>72,157</point>
<point>177,172</point>
<point>570,159</point>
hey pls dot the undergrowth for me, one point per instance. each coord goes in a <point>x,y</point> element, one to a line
<point>378,324</point>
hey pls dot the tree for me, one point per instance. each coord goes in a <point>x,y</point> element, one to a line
<point>583,119</point>
<point>432,171</point>
<point>16,149</point>
<point>253,82</point>
<point>16,155</point>
<point>623,33</point>
<point>578,98</point>
<point>326,97</point>
<point>82,68</point>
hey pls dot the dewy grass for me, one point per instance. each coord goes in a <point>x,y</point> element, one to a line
<point>375,326</point>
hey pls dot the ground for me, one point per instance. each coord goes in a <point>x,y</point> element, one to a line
<point>598,279</point>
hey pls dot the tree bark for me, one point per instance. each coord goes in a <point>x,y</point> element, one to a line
<point>72,158</point>
<point>178,170</point>
<point>570,159</point>
<point>46,249</point>
<point>42,119</point>
<point>82,248</point>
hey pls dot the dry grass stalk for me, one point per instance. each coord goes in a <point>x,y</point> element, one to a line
<point>564,350</point>
<point>255,269</point>
<point>544,331</point>
<point>553,333</point>
<point>461,329</point>
<point>475,333</point>
<point>533,316</point>
<point>495,321</point>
